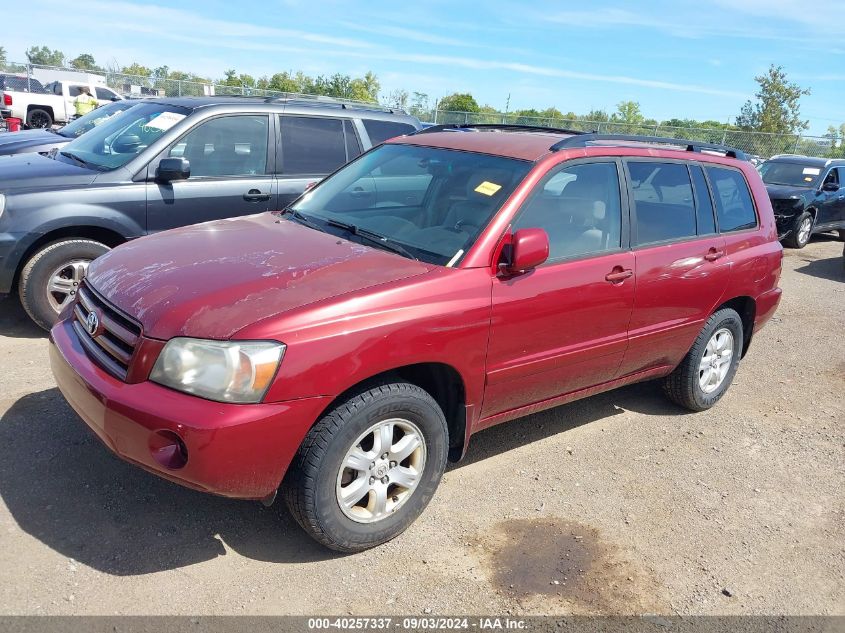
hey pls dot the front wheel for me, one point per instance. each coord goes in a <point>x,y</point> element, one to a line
<point>38,118</point>
<point>802,229</point>
<point>50,279</point>
<point>369,467</point>
<point>709,367</point>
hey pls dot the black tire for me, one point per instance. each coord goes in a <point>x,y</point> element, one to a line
<point>38,118</point>
<point>310,490</point>
<point>682,385</point>
<point>36,274</point>
<point>792,240</point>
<point>841,235</point>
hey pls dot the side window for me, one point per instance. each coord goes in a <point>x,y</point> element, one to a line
<point>841,176</point>
<point>353,145</point>
<point>579,208</point>
<point>226,146</point>
<point>833,176</point>
<point>73,91</point>
<point>734,205</point>
<point>312,145</point>
<point>704,211</point>
<point>663,201</point>
<point>380,131</point>
<point>102,93</point>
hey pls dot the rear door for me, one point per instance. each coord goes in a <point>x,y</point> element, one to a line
<point>231,173</point>
<point>681,267</point>
<point>309,149</point>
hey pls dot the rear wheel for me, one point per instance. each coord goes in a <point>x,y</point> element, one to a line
<point>38,118</point>
<point>708,369</point>
<point>51,277</point>
<point>802,229</point>
<point>369,467</point>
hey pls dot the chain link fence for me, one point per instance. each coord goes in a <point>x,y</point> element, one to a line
<point>759,144</point>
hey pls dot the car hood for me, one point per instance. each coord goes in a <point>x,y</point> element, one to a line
<point>787,192</point>
<point>20,171</point>
<point>211,280</point>
<point>30,140</point>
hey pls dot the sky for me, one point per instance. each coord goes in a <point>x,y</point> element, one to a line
<point>678,59</point>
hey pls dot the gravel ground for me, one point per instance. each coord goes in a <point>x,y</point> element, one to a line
<point>621,503</point>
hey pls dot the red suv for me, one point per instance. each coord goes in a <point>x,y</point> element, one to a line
<point>341,350</point>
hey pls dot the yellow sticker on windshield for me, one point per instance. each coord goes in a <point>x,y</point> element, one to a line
<point>488,188</point>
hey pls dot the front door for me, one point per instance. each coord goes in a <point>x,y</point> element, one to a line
<point>230,174</point>
<point>563,326</point>
<point>831,204</point>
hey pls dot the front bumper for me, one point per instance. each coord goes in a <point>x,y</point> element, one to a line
<point>233,450</point>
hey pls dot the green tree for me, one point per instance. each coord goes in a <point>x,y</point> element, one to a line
<point>398,99</point>
<point>419,105</point>
<point>85,61</point>
<point>136,69</point>
<point>365,88</point>
<point>43,56</point>
<point>458,102</point>
<point>2,56</point>
<point>777,109</point>
<point>599,116</point>
<point>628,112</point>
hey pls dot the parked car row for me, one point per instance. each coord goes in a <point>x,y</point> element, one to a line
<point>387,291</point>
<point>40,106</point>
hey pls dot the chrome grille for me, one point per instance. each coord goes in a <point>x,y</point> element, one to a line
<point>113,342</point>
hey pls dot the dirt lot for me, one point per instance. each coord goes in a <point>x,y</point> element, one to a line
<point>617,504</point>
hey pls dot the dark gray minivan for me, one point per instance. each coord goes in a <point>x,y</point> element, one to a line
<point>166,163</point>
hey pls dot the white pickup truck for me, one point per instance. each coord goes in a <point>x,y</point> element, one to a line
<point>38,106</point>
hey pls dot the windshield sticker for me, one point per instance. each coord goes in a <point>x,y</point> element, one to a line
<point>488,188</point>
<point>165,121</point>
<point>812,171</point>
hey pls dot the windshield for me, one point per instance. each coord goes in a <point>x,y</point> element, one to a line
<point>120,138</point>
<point>431,203</point>
<point>89,121</point>
<point>789,174</point>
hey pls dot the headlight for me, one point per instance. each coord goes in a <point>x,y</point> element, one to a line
<point>226,371</point>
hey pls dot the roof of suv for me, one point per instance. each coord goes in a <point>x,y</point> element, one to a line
<point>327,106</point>
<point>813,161</point>
<point>530,143</point>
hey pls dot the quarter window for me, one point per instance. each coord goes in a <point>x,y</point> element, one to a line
<point>579,208</point>
<point>103,94</point>
<point>380,131</point>
<point>734,205</point>
<point>663,201</point>
<point>312,145</point>
<point>226,146</point>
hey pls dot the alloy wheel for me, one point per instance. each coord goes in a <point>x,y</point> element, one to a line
<point>804,230</point>
<point>716,361</point>
<point>381,470</point>
<point>64,283</point>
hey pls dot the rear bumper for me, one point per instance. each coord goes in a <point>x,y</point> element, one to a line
<point>233,450</point>
<point>767,303</point>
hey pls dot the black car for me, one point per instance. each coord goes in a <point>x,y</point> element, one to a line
<point>808,196</point>
<point>45,139</point>
<point>166,163</point>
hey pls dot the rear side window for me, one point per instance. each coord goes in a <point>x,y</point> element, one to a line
<point>734,205</point>
<point>380,131</point>
<point>663,201</point>
<point>104,94</point>
<point>704,210</point>
<point>312,145</point>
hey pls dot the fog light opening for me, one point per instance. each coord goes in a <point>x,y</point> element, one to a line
<point>168,449</point>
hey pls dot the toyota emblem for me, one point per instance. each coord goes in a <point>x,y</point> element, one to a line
<point>92,323</point>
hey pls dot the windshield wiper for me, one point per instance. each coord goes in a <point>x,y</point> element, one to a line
<point>302,219</point>
<point>79,160</point>
<point>375,238</point>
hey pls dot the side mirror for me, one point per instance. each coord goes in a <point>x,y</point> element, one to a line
<point>126,144</point>
<point>830,186</point>
<point>528,249</point>
<point>170,169</point>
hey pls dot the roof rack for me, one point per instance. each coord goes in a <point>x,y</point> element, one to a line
<point>514,127</point>
<point>583,140</point>
<point>345,104</point>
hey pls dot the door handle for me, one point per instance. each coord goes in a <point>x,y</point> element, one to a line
<point>255,195</point>
<point>714,254</point>
<point>358,192</point>
<point>618,275</point>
